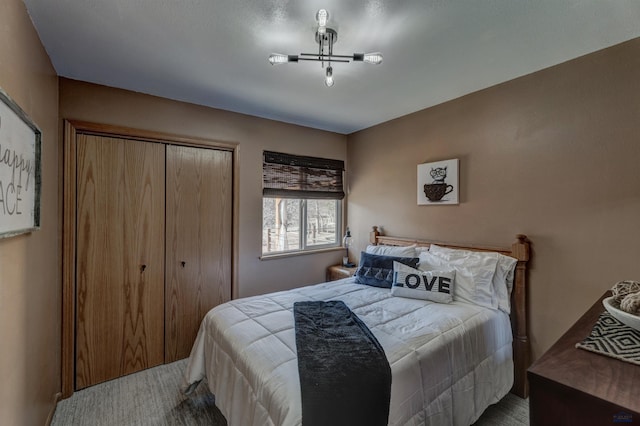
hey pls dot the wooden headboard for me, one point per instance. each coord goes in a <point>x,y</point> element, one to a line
<point>520,250</point>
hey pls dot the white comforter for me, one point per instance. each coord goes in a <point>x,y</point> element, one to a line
<point>449,362</point>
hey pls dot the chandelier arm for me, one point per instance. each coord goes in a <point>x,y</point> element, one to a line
<point>330,47</point>
<point>327,56</point>
<point>321,50</point>
<point>314,58</point>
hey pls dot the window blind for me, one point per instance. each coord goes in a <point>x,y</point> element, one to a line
<point>295,176</point>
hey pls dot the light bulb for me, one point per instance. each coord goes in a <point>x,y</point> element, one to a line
<point>322,17</point>
<point>279,58</point>
<point>370,58</point>
<point>373,58</point>
<point>328,80</point>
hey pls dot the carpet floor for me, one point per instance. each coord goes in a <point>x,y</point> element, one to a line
<point>152,397</point>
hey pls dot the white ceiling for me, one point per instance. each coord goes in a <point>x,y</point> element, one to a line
<point>214,52</point>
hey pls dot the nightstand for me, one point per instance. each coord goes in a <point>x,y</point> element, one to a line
<point>337,272</point>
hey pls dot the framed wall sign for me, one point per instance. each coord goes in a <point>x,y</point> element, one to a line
<point>19,170</point>
<point>438,183</point>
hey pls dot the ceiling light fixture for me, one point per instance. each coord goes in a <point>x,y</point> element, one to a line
<point>326,37</point>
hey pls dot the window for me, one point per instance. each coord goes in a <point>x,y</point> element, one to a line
<point>290,224</point>
<point>301,204</point>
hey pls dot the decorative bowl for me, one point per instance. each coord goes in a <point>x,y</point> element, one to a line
<point>631,320</point>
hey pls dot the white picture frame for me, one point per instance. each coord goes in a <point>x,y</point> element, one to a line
<point>20,171</point>
<point>438,183</point>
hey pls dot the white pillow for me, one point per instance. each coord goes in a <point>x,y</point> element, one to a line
<point>474,275</point>
<point>436,286</point>
<point>502,281</point>
<point>397,251</point>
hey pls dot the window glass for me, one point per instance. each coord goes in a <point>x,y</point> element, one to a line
<point>280,225</point>
<point>321,222</point>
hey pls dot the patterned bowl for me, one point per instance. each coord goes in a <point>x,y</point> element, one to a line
<point>631,320</point>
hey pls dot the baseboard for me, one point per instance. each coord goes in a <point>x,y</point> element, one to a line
<point>56,398</point>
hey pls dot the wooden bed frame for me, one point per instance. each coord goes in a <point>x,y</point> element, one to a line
<point>520,250</point>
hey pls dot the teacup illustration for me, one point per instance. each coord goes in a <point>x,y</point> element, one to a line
<point>435,191</point>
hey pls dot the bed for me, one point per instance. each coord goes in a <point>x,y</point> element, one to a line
<point>449,361</point>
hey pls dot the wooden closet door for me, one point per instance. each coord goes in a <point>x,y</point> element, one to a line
<point>199,250</point>
<point>120,257</point>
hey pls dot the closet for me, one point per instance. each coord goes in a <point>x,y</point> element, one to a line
<point>147,247</point>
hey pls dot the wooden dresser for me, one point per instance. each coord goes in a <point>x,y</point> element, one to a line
<point>570,386</point>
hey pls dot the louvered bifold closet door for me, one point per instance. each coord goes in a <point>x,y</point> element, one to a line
<point>198,241</point>
<point>120,257</point>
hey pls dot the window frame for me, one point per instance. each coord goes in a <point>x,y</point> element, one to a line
<point>304,246</point>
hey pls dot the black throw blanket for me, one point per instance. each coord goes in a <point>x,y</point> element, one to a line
<point>345,378</point>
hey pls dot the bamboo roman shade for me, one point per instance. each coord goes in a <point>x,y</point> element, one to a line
<point>295,176</point>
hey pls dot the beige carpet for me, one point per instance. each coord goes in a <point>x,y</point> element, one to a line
<point>150,397</point>
<point>153,397</point>
<point>510,411</point>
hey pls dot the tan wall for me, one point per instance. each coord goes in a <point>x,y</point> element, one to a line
<point>89,102</point>
<point>554,155</point>
<point>29,264</point>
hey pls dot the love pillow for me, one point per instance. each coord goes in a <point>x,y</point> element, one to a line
<point>436,286</point>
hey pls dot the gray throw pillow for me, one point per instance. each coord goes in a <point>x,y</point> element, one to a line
<point>377,270</point>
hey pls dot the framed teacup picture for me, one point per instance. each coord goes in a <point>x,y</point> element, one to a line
<point>438,183</point>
